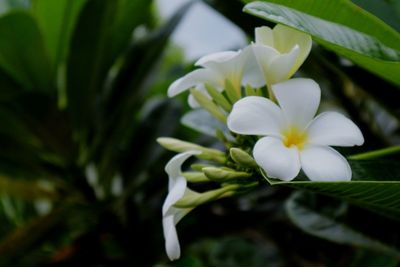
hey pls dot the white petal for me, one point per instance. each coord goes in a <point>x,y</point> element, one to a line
<point>281,66</point>
<point>286,38</point>
<point>276,159</point>
<point>322,163</point>
<point>253,75</point>
<point>231,68</point>
<point>216,57</point>
<point>255,115</point>
<point>264,36</point>
<point>264,56</point>
<point>192,79</point>
<point>193,102</point>
<point>173,167</point>
<point>176,192</point>
<point>334,129</point>
<point>172,246</point>
<point>299,100</point>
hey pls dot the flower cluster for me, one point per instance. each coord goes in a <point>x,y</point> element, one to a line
<point>272,124</point>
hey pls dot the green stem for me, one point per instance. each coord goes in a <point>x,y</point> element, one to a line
<point>376,153</point>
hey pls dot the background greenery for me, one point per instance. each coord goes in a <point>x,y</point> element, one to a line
<point>83,98</point>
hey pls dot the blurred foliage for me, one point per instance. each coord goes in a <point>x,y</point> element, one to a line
<point>82,100</point>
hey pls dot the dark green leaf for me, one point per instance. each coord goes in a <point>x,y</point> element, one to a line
<point>103,31</point>
<point>366,258</point>
<point>22,52</point>
<point>56,20</point>
<point>375,185</point>
<point>326,226</point>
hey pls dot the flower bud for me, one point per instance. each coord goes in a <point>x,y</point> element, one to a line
<point>193,199</point>
<point>179,146</point>
<point>208,105</point>
<point>219,98</point>
<point>195,177</point>
<point>224,174</point>
<point>232,93</point>
<point>242,158</point>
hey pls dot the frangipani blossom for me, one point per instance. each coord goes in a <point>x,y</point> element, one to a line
<point>294,139</point>
<point>177,189</point>
<point>280,52</point>
<point>238,67</point>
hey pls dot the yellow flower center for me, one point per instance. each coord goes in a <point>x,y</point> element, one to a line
<point>294,137</point>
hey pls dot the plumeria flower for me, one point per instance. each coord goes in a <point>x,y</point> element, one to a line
<point>280,51</point>
<point>293,138</point>
<point>238,67</point>
<point>177,189</point>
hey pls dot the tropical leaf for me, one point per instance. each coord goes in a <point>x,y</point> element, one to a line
<point>56,20</point>
<point>102,32</point>
<point>385,10</point>
<point>327,225</point>
<point>365,50</point>
<point>346,13</point>
<point>22,52</point>
<point>375,186</point>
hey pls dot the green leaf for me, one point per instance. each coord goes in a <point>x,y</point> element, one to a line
<point>385,10</point>
<point>346,13</point>
<point>128,90</point>
<point>201,121</point>
<point>103,31</point>
<point>327,225</point>
<point>22,52</point>
<point>56,20</point>
<point>365,50</point>
<point>366,258</point>
<point>375,186</point>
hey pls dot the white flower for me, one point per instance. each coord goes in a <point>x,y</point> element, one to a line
<point>238,67</point>
<point>294,138</point>
<point>177,189</point>
<point>280,51</point>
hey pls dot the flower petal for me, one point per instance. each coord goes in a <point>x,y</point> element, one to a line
<point>299,100</point>
<point>286,38</point>
<point>264,55</point>
<point>176,192</point>
<point>323,163</point>
<point>255,115</point>
<point>276,159</point>
<point>281,65</point>
<point>193,102</point>
<point>172,246</point>
<point>215,57</point>
<point>264,36</point>
<point>231,67</point>
<point>334,129</point>
<point>252,75</point>
<point>193,79</point>
<point>173,167</point>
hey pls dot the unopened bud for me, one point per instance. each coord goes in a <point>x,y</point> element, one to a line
<point>241,157</point>
<point>195,177</point>
<point>219,98</point>
<point>224,174</point>
<point>208,105</point>
<point>193,199</point>
<point>179,146</point>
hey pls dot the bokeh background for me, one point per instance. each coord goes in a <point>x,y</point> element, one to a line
<point>82,100</point>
